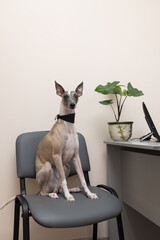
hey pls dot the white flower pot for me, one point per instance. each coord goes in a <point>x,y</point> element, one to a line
<point>120,131</point>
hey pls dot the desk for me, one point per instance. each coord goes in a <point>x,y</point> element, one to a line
<point>133,170</point>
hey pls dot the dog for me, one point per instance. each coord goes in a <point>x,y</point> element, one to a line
<point>58,147</point>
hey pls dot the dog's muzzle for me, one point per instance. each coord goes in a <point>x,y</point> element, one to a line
<point>72,105</point>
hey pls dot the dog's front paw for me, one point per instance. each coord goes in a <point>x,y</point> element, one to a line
<point>92,195</point>
<point>69,197</point>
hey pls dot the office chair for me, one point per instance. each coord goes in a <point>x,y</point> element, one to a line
<point>60,213</point>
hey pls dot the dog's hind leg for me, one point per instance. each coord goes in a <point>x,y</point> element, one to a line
<point>42,178</point>
<point>75,190</point>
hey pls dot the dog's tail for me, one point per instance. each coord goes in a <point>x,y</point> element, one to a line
<point>7,202</point>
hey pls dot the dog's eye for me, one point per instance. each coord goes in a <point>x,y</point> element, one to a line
<point>75,96</point>
<point>65,97</point>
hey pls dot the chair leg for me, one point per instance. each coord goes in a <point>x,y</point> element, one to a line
<point>16,220</point>
<point>120,228</point>
<point>26,234</point>
<point>95,230</point>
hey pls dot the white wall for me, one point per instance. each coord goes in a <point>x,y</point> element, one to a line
<point>94,41</point>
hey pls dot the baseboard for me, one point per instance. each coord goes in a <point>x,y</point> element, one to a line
<point>91,239</point>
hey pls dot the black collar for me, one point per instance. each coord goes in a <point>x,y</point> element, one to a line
<point>68,118</point>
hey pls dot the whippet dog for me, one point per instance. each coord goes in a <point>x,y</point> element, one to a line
<point>58,147</point>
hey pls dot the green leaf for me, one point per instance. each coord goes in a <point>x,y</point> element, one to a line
<point>110,88</point>
<point>106,102</point>
<point>133,92</point>
<point>119,89</point>
<point>124,93</point>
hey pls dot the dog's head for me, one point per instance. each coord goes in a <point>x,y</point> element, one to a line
<point>69,98</point>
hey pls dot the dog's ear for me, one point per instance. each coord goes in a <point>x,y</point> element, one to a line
<point>59,89</point>
<point>79,89</point>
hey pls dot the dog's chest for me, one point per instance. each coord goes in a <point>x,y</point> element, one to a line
<point>70,147</point>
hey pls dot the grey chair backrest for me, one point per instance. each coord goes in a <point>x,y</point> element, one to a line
<point>26,148</point>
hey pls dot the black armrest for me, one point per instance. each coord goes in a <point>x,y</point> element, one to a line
<point>111,190</point>
<point>23,202</point>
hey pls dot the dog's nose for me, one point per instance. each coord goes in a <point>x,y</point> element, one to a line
<point>72,105</point>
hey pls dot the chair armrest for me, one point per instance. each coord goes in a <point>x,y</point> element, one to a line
<point>111,190</point>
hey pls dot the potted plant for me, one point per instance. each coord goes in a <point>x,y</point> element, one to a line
<point>119,131</point>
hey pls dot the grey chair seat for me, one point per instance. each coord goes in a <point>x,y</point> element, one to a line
<point>83,211</point>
